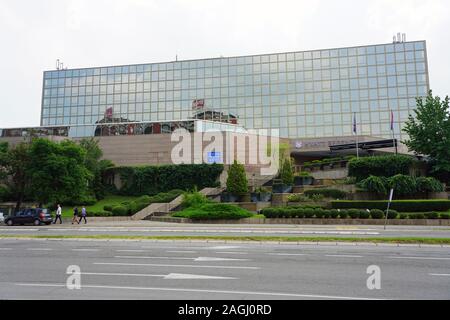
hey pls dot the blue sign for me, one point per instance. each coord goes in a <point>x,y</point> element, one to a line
<point>214,157</point>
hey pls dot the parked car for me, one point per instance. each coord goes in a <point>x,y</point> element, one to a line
<point>35,216</point>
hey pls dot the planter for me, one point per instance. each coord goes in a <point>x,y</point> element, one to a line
<point>303,181</point>
<point>228,197</point>
<point>281,188</point>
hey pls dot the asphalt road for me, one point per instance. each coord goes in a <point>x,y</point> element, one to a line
<point>149,228</point>
<point>36,269</point>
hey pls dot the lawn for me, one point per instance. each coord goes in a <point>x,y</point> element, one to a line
<point>109,200</point>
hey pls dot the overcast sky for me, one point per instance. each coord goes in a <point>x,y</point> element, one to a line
<point>87,33</point>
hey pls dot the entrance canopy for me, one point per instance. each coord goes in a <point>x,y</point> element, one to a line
<point>370,145</point>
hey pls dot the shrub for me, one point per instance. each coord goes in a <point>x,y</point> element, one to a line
<point>343,214</point>
<point>419,216</point>
<point>286,173</point>
<point>403,185</point>
<point>354,213</point>
<point>214,211</point>
<point>404,216</point>
<point>334,214</point>
<point>376,214</point>
<point>327,193</point>
<point>364,214</point>
<point>194,199</point>
<point>445,216</point>
<point>399,205</point>
<point>107,208</point>
<point>429,185</point>
<point>309,213</point>
<point>319,213</point>
<point>392,214</point>
<point>99,214</point>
<point>380,166</point>
<point>237,180</point>
<point>119,211</point>
<point>431,215</point>
<point>303,174</point>
<point>317,197</point>
<point>298,198</point>
<point>374,184</point>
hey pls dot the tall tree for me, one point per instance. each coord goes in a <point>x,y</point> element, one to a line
<point>429,131</point>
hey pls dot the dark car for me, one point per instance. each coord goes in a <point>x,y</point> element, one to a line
<point>34,216</point>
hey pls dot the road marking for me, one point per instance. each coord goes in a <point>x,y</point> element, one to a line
<point>86,250</point>
<point>182,251</point>
<point>439,275</point>
<point>287,254</point>
<point>39,249</point>
<point>342,256</point>
<point>173,265</point>
<point>130,250</point>
<point>230,252</point>
<point>182,258</point>
<point>276,294</point>
<point>170,276</point>
<point>420,258</point>
<point>5,249</point>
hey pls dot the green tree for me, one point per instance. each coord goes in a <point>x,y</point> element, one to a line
<point>237,180</point>
<point>429,131</point>
<point>58,172</point>
<point>286,173</point>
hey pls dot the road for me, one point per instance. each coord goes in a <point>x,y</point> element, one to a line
<point>36,269</point>
<point>149,228</point>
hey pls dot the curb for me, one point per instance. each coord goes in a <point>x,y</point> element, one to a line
<point>313,243</point>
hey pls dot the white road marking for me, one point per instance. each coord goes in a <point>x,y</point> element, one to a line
<point>439,275</point>
<point>130,250</point>
<point>342,256</point>
<point>5,249</point>
<point>287,254</point>
<point>182,258</point>
<point>276,294</point>
<point>173,265</point>
<point>182,251</point>
<point>39,249</point>
<point>170,276</point>
<point>230,252</point>
<point>420,258</point>
<point>86,250</point>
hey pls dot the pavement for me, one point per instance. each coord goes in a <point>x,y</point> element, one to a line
<point>199,270</point>
<point>151,228</point>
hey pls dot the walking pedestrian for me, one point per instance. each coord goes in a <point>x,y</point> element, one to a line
<point>83,215</point>
<point>58,215</point>
<point>75,215</point>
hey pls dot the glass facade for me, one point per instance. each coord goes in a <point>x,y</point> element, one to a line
<point>303,94</point>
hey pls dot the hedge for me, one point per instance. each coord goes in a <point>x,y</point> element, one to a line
<point>119,211</point>
<point>145,180</point>
<point>214,211</point>
<point>327,193</point>
<point>399,205</point>
<point>403,185</point>
<point>319,213</point>
<point>380,166</point>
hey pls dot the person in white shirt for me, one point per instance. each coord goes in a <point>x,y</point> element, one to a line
<point>58,215</point>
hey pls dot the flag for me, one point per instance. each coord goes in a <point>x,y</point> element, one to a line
<point>392,121</point>
<point>354,124</point>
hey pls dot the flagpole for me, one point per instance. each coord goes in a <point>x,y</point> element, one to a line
<point>393,133</point>
<point>355,130</point>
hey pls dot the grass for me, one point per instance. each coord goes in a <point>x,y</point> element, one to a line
<point>67,212</point>
<point>435,241</point>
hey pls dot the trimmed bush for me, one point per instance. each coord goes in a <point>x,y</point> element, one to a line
<point>327,193</point>
<point>119,211</point>
<point>403,216</point>
<point>214,211</point>
<point>319,213</point>
<point>343,214</point>
<point>392,214</point>
<point>419,216</point>
<point>309,213</point>
<point>429,184</point>
<point>431,215</point>
<point>99,214</point>
<point>286,173</point>
<point>298,198</point>
<point>237,180</point>
<point>376,214</point>
<point>380,166</point>
<point>399,205</point>
<point>445,216</point>
<point>108,208</point>
<point>354,213</point>
<point>364,214</point>
<point>334,214</point>
<point>193,199</point>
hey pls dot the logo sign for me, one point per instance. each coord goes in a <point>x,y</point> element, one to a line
<point>298,144</point>
<point>214,157</point>
<point>198,104</point>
